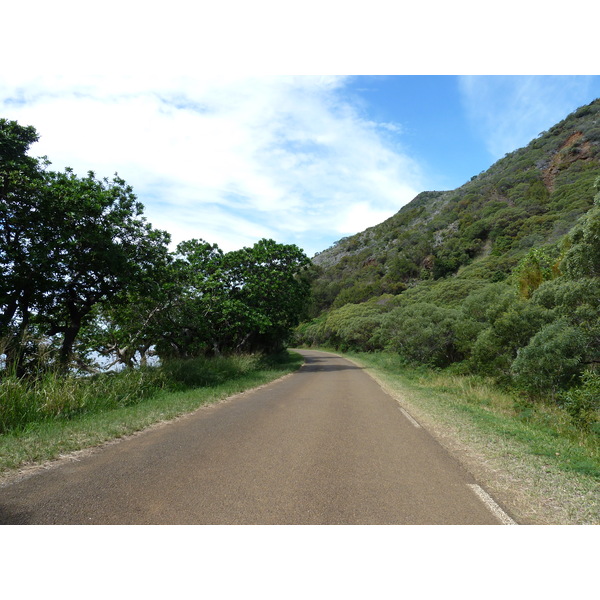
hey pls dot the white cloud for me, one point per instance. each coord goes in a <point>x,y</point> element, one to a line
<point>156,95</point>
<point>228,158</point>
<point>509,111</point>
<point>359,217</point>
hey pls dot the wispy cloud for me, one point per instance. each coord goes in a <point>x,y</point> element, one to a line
<point>227,159</point>
<point>509,111</point>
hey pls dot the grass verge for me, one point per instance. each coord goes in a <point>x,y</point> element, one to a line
<point>531,456</point>
<point>189,386</point>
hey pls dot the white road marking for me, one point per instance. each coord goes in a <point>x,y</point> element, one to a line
<point>409,417</point>
<point>489,502</point>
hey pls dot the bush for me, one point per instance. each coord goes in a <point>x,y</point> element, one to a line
<point>496,347</point>
<point>202,371</point>
<point>552,359</point>
<point>424,333</point>
<point>583,257</point>
<point>583,403</point>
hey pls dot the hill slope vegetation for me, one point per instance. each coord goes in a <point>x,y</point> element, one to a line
<point>499,278</point>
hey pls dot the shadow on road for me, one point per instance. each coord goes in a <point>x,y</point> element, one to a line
<point>317,363</point>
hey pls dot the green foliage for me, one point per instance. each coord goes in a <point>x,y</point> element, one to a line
<point>445,292</point>
<point>485,305</point>
<point>537,266</point>
<point>424,333</point>
<point>350,327</point>
<point>583,402</point>
<point>578,301</point>
<point>56,397</point>
<point>402,268</point>
<point>511,328</point>
<point>245,300</point>
<point>83,273</point>
<point>271,283</point>
<point>359,292</point>
<point>552,360</point>
<point>583,257</point>
<point>353,326</point>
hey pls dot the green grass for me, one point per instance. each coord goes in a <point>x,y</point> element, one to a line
<point>82,415</point>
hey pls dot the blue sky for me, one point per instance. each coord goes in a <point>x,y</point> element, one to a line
<point>255,136</point>
<point>457,126</point>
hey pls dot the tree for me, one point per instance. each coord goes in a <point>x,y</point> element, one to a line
<point>248,299</point>
<point>100,245</point>
<point>582,259</point>
<point>127,328</point>
<point>66,244</point>
<point>268,279</point>
<point>423,332</point>
<point>552,360</point>
<point>197,318</point>
<point>23,246</point>
<point>509,330</point>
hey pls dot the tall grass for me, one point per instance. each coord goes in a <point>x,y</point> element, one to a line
<point>52,396</point>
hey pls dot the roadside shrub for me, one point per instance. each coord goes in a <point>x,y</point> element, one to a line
<point>311,333</point>
<point>55,396</point>
<point>552,359</point>
<point>485,305</point>
<point>497,346</point>
<point>578,303</point>
<point>422,333</point>
<point>583,402</point>
<point>490,357</point>
<point>203,371</point>
<point>352,326</point>
<point>583,257</point>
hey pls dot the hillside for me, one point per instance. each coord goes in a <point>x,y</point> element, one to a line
<point>499,278</point>
<point>530,198</point>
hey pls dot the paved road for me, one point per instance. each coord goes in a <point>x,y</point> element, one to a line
<point>323,446</point>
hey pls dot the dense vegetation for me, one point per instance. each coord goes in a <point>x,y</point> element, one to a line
<point>499,278</point>
<point>85,277</point>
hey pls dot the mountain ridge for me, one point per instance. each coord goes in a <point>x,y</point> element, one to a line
<point>531,197</point>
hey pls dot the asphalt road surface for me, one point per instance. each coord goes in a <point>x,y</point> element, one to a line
<point>325,445</point>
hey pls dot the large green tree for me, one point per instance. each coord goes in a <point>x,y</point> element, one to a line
<point>248,299</point>
<point>101,246</point>
<point>67,244</point>
<point>271,281</point>
<point>126,328</point>
<point>23,243</point>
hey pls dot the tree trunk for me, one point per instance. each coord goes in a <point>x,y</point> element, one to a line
<point>67,346</point>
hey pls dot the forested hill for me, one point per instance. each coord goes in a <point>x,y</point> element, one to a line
<point>530,198</point>
<point>499,278</point>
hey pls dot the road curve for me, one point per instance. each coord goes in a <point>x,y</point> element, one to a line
<point>325,445</point>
